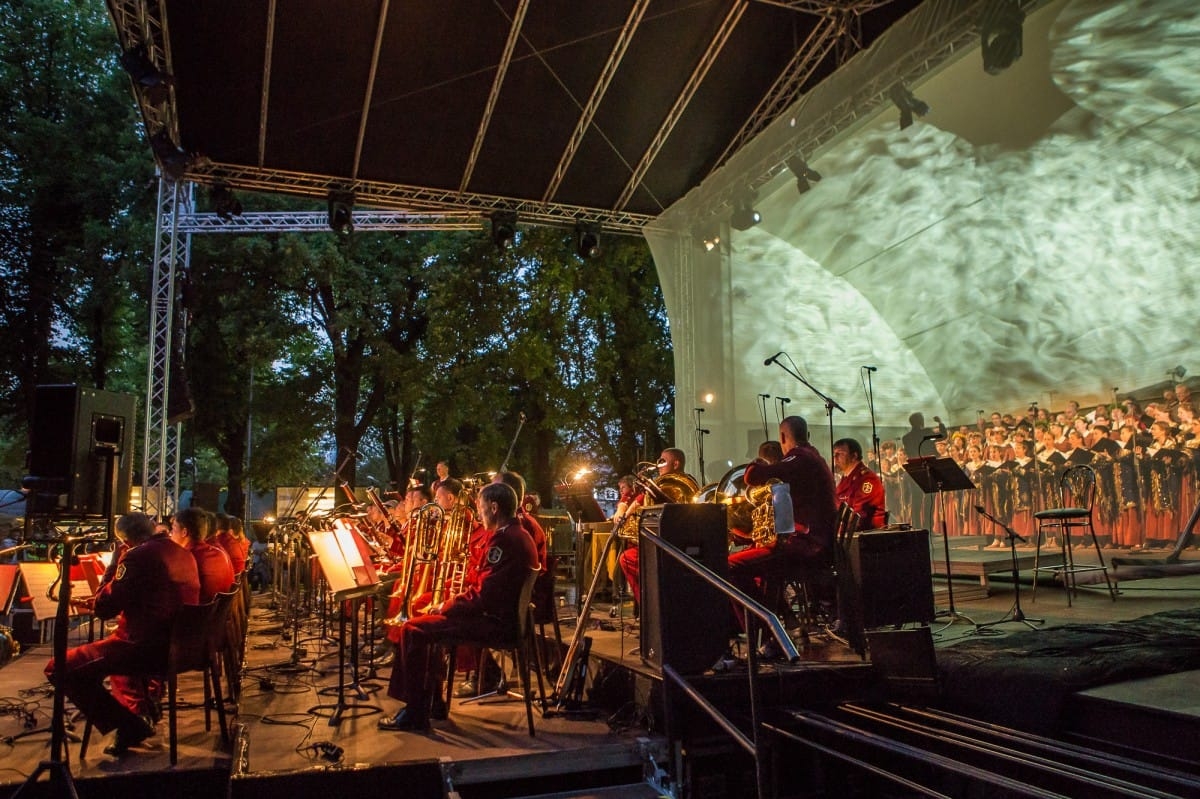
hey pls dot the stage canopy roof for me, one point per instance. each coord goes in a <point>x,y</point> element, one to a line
<point>605,111</point>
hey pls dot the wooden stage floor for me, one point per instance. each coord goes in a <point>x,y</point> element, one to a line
<point>276,733</point>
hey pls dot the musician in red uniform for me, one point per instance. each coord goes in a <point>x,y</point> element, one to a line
<point>190,529</point>
<point>483,612</point>
<point>152,581</point>
<point>671,461</point>
<point>814,512</point>
<point>231,537</point>
<point>858,486</point>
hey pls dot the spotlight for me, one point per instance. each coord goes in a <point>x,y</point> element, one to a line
<point>1000,34</point>
<point>907,103</point>
<point>744,216</point>
<point>587,239</point>
<point>805,175</point>
<point>710,242</point>
<point>224,203</point>
<point>341,212</point>
<point>504,228</point>
<point>171,158</point>
<point>154,83</point>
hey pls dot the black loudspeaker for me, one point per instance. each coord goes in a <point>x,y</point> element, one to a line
<point>74,433</point>
<point>893,578</point>
<point>685,621</point>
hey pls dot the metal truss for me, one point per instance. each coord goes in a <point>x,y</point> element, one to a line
<point>160,453</point>
<point>958,32</point>
<point>143,23</point>
<point>719,39</point>
<point>316,221</point>
<point>413,199</point>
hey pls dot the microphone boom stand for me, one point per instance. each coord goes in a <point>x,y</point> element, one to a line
<point>1015,614</point>
<point>830,403</point>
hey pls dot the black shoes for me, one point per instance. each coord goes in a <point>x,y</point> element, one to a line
<point>404,721</point>
<point>439,711</point>
<point>129,737</point>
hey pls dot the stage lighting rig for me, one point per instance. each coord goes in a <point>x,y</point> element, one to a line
<point>907,103</point>
<point>225,204</point>
<point>744,215</point>
<point>341,212</point>
<point>805,175</point>
<point>1000,34</point>
<point>587,239</point>
<point>504,228</point>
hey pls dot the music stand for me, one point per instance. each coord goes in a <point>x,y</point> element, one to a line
<point>351,578</point>
<point>937,476</point>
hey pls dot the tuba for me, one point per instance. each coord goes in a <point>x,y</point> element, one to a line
<point>678,487</point>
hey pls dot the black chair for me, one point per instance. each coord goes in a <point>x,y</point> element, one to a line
<point>1077,492</point>
<point>545,611</point>
<point>517,641</point>
<point>800,598</point>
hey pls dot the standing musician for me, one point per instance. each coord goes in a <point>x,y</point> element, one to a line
<point>153,580</point>
<point>814,512</point>
<point>858,486</point>
<point>671,461</point>
<point>483,612</point>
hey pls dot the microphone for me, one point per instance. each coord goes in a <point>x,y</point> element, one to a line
<point>934,437</point>
<point>521,416</point>
<point>771,360</point>
<point>703,431</point>
<point>765,396</point>
<point>784,400</point>
<point>699,410</point>
<point>871,368</point>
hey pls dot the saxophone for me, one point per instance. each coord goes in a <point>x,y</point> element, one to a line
<point>762,513</point>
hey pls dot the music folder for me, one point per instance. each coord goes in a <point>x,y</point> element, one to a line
<point>343,561</point>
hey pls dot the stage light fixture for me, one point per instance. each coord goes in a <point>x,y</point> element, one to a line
<point>154,83</point>
<point>504,228</point>
<point>341,212</point>
<point>805,175</point>
<point>171,158</point>
<point>744,216</point>
<point>224,203</point>
<point>1000,34</point>
<point>907,103</point>
<point>587,239</point>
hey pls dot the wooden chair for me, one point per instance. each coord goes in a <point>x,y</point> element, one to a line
<point>518,642</point>
<point>195,633</point>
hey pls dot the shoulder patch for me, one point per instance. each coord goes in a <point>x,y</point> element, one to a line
<point>868,487</point>
<point>120,572</point>
<point>494,554</point>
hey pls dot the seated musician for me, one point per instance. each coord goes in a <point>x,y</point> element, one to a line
<point>858,486</point>
<point>151,582</point>
<point>230,536</point>
<point>671,461</point>
<point>190,529</point>
<point>814,513</point>
<point>483,612</point>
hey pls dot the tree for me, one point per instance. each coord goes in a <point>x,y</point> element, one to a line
<point>74,204</point>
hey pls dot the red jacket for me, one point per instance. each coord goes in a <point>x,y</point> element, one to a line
<point>862,490</point>
<point>509,555</point>
<point>215,569</point>
<point>148,586</point>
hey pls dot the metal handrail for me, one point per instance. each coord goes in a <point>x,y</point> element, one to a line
<point>750,607</point>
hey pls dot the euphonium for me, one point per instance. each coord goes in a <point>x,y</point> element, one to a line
<point>678,487</point>
<point>762,513</point>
